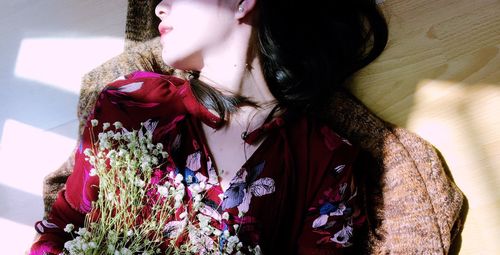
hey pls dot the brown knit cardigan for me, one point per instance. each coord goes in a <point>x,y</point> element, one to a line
<point>413,204</point>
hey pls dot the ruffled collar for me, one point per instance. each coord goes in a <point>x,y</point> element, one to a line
<point>196,109</point>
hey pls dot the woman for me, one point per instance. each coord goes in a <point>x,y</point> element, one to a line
<point>258,73</point>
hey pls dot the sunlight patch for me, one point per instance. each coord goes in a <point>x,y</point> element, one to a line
<point>28,154</point>
<point>61,62</point>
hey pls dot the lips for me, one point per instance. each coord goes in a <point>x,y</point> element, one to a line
<point>164,29</point>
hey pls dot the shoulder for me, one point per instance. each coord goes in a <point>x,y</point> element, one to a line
<point>141,96</point>
<point>319,150</point>
<point>319,134</point>
<point>145,84</point>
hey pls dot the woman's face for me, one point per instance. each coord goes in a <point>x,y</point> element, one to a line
<point>191,28</point>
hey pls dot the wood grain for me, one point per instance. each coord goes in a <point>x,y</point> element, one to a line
<point>440,77</point>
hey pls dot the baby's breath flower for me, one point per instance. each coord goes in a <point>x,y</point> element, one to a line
<point>236,226</point>
<point>155,152</point>
<point>159,146</point>
<point>111,154</point>
<point>92,172</point>
<point>180,189</point>
<point>207,230</point>
<point>257,250</point>
<point>177,204</point>
<point>91,159</point>
<point>217,232</point>
<point>85,246</point>
<point>197,198</point>
<point>232,243</point>
<point>117,136</point>
<point>194,249</point>
<point>139,183</point>
<point>154,160</point>
<point>110,196</point>
<point>178,197</point>
<point>69,245</point>
<point>178,178</point>
<point>235,240</point>
<point>105,125</point>
<point>101,161</point>
<point>202,185</point>
<point>113,236</point>
<point>69,228</point>
<point>225,216</point>
<point>183,215</point>
<point>87,152</point>
<point>122,152</point>
<point>111,249</point>
<point>130,232</point>
<point>163,191</point>
<point>82,231</point>
<point>118,125</point>
<point>125,251</point>
<point>150,146</point>
<point>164,154</point>
<point>104,144</point>
<point>204,220</point>
<point>102,136</point>
<point>94,122</point>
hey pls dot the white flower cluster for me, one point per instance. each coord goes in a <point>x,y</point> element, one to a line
<point>124,161</point>
<point>129,220</point>
<point>80,244</point>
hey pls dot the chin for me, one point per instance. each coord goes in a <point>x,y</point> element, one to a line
<point>181,62</point>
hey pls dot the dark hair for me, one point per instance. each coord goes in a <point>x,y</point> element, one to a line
<point>308,49</point>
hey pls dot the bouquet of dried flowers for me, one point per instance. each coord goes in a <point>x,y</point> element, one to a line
<point>138,210</point>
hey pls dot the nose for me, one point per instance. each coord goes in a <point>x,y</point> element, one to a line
<point>161,9</point>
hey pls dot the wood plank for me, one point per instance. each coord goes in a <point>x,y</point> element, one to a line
<point>440,77</point>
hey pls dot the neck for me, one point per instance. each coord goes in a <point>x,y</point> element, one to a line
<point>232,68</point>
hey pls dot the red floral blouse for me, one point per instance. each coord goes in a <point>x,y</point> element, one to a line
<point>295,195</point>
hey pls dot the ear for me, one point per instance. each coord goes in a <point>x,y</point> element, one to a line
<point>244,7</point>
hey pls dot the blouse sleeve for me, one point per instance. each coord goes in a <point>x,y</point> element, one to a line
<point>334,215</point>
<point>136,98</point>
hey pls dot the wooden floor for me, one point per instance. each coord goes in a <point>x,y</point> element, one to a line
<point>440,77</point>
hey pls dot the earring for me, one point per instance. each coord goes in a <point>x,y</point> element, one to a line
<point>241,9</point>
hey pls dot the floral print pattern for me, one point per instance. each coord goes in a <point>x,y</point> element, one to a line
<point>244,186</point>
<point>334,221</point>
<point>300,182</point>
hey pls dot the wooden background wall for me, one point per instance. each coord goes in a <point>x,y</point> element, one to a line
<point>440,77</point>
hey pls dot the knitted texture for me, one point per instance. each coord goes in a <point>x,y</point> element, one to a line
<point>413,205</point>
<point>416,206</point>
<point>142,24</point>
